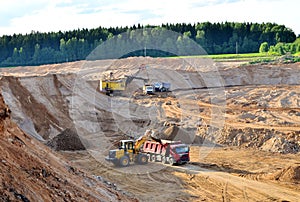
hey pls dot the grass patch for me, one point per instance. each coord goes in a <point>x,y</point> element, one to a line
<point>251,58</point>
<point>297,54</point>
<point>284,59</point>
<point>247,57</point>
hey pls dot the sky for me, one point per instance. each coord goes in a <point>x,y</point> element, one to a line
<point>25,16</point>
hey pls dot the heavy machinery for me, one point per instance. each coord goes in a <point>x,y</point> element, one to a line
<point>156,88</point>
<point>130,151</point>
<point>148,89</point>
<point>162,86</point>
<point>166,151</point>
<point>112,86</point>
<point>147,147</point>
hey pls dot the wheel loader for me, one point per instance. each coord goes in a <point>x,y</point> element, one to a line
<point>130,151</point>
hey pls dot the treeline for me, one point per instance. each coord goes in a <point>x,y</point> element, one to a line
<point>281,48</point>
<point>54,47</point>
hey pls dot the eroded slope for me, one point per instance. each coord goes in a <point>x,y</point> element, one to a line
<point>32,172</point>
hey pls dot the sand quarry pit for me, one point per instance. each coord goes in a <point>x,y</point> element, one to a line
<point>241,121</point>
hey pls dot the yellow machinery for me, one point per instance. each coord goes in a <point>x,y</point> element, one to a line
<point>112,86</point>
<point>129,151</point>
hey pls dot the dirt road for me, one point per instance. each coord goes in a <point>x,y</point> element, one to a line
<point>220,175</point>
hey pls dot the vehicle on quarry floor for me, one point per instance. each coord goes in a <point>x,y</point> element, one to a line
<point>147,147</point>
<point>162,86</point>
<point>126,153</point>
<point>172,152</point>
<point>157,88</point>
<point>112,87</point>
<point>130,151</point>
<point>148,89</point>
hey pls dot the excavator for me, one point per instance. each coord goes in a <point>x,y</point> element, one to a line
<point>130,151</point>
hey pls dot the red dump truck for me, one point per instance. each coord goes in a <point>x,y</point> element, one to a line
<point>165,151</point>
<point>149,148</point>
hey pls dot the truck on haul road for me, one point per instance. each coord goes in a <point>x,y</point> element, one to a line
<point>162,86</point>
<point>172,152</point>
<point>148,89</point>
<point>147,148</point>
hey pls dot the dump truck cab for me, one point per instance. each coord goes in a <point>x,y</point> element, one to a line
<point>148,89</point>
<point>180,153</point>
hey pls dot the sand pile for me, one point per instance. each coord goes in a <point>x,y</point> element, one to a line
<point>68,140</point>
<point>279,144</point>
<point>175,133</point>
<point>264,139</point>
<point>291,173</point>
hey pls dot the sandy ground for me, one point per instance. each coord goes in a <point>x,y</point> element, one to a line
<point>242,122</point>
<point>225,174</point>
<point>30,171</point>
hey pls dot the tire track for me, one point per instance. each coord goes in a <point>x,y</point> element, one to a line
<point>224,193</point>
<point>264,189</point>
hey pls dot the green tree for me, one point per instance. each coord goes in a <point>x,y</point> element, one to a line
<point>200,37</point>
<point>293,48</point>
<point>63,50</point>
<point>279,48</point>
<point>19,49</point>
<point>298,48</point>
<point>22,57</point>
<point>36,56</point>
<point>187,34</point>
<point>264,47</point>
<point>272,49</point>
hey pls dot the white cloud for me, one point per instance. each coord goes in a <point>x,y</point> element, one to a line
<point>43,15</point>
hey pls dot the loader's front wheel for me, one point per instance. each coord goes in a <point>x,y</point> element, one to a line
<point>124,161</point>
<point>143,159</point>
<point>163,160</point>
<point>153,157</point>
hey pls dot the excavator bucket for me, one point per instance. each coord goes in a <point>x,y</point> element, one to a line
<point>171,133</point>
<point>153,134</point>
<point>157,140</point>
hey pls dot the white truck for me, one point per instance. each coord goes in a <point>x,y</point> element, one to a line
<point>148,89</point>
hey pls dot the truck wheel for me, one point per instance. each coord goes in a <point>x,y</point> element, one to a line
<point>153,158</point>
<point>124,161</point>
<point>171,161</point>
<point>163,160</point>
<point>143,159</point>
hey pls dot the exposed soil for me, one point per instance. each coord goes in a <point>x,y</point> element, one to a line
<point>68,140</point>
<point>32,172</point>
<point>242,122</point>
